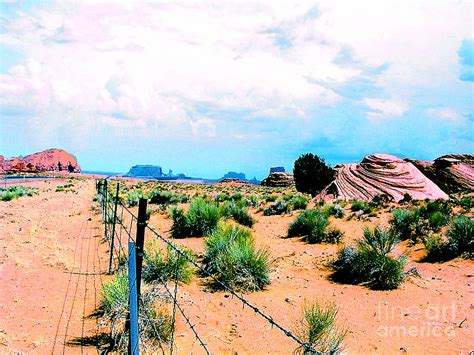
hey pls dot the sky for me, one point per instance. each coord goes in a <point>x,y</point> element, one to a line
<point>206,87</point>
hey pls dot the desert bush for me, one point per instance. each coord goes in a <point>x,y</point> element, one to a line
<point>312,174</point>
<point>379,201</point>
<point>115,294</point>
<point>317,328</point>
<point>437,213</point>
<point>132,197</point>
<point>334,210</point>
<point>361,206</point>
<point>232,257</point>
<point>237,211</point>
<point>201,219</point>
<point>406,223</point>
<point>369,263</point>
<point>271,198</point>
<point>459,241</point>
<point>298,203</point>
<point>279,207</point>
<point>466,202</point>
<point>312,225</point>
<point>173,265</point>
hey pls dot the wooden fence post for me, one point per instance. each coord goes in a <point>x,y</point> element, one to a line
<point>112,237</point>
<point>140,240</point>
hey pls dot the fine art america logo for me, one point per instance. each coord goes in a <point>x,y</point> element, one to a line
<point>416,321</point>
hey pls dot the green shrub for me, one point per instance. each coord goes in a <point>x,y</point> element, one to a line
<point>466,202</point>
<point>459,241</point>
<point>132,198</point>
<point>14,192</point>
<point>437,213</point>
<point>115,294</point>
<point>318,329</point>
<point>201,219</point>
<point>271,198</point>
<point>406,223</point>
<point>173,265</point>
<point>232,257</point>
<point>370,263</point>
<point>311,224</point>
<point>238,212</point>
<point>278,208</point>
<point>334,210</point>
<point>361,206</point>
<point>298,202</point>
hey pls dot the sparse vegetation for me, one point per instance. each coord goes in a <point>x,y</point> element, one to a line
<point>318,329</point>
<point>459,241</point>
<point>237,211</point>
<point>313,226</point>
<point>115,295</point>
<point>170,267</point>
<point>231,255</point>
<point>200,220</point>
<point>277,208</point>
<point>14,192</point>
<point>370,263</point>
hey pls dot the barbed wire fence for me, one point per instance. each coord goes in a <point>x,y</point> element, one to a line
<point>136,326</point>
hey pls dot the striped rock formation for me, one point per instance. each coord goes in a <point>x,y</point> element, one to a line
<point>454,173</point>
<point>381,174</point>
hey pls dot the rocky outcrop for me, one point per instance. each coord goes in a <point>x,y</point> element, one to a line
<point>381,174</point>
<point>278,179</point>
<point>453,173</point>
<point>48,160</point>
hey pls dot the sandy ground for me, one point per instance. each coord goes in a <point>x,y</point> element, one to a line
<point>46,237</point>
<point>51,261</point>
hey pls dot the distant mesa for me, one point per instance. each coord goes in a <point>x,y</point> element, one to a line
<point>277,169</point>
<point>48,160</point>
<point>380,174</point>
<point>234,177</point>
<point>152,171</point>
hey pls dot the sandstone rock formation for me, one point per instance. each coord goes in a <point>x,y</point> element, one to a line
<point>48,160</point>
<point>278,179</point>
<point>453,173</point>
<point>381,174</point>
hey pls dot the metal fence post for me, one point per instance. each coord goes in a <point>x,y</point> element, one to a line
<point>105,209</point>
<point>140,240</point>
<point>133,300</point>
<point>113,228</point>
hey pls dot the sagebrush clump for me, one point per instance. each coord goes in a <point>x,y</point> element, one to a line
<point>233,258</point>
<point>317,328</point>
<point>173,266</point>
<point>200,220</point>
<point>313,226</point>
<point>369,262</point>
<point>459,241</point>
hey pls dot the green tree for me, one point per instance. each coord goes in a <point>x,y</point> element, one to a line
<point>312,174</point>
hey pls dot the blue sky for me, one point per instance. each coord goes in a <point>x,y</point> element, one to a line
<point>206,87</point>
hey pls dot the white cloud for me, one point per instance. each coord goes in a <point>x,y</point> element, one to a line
<point>444,113</point>
<point>160,64</point>
<point>384,108</point>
